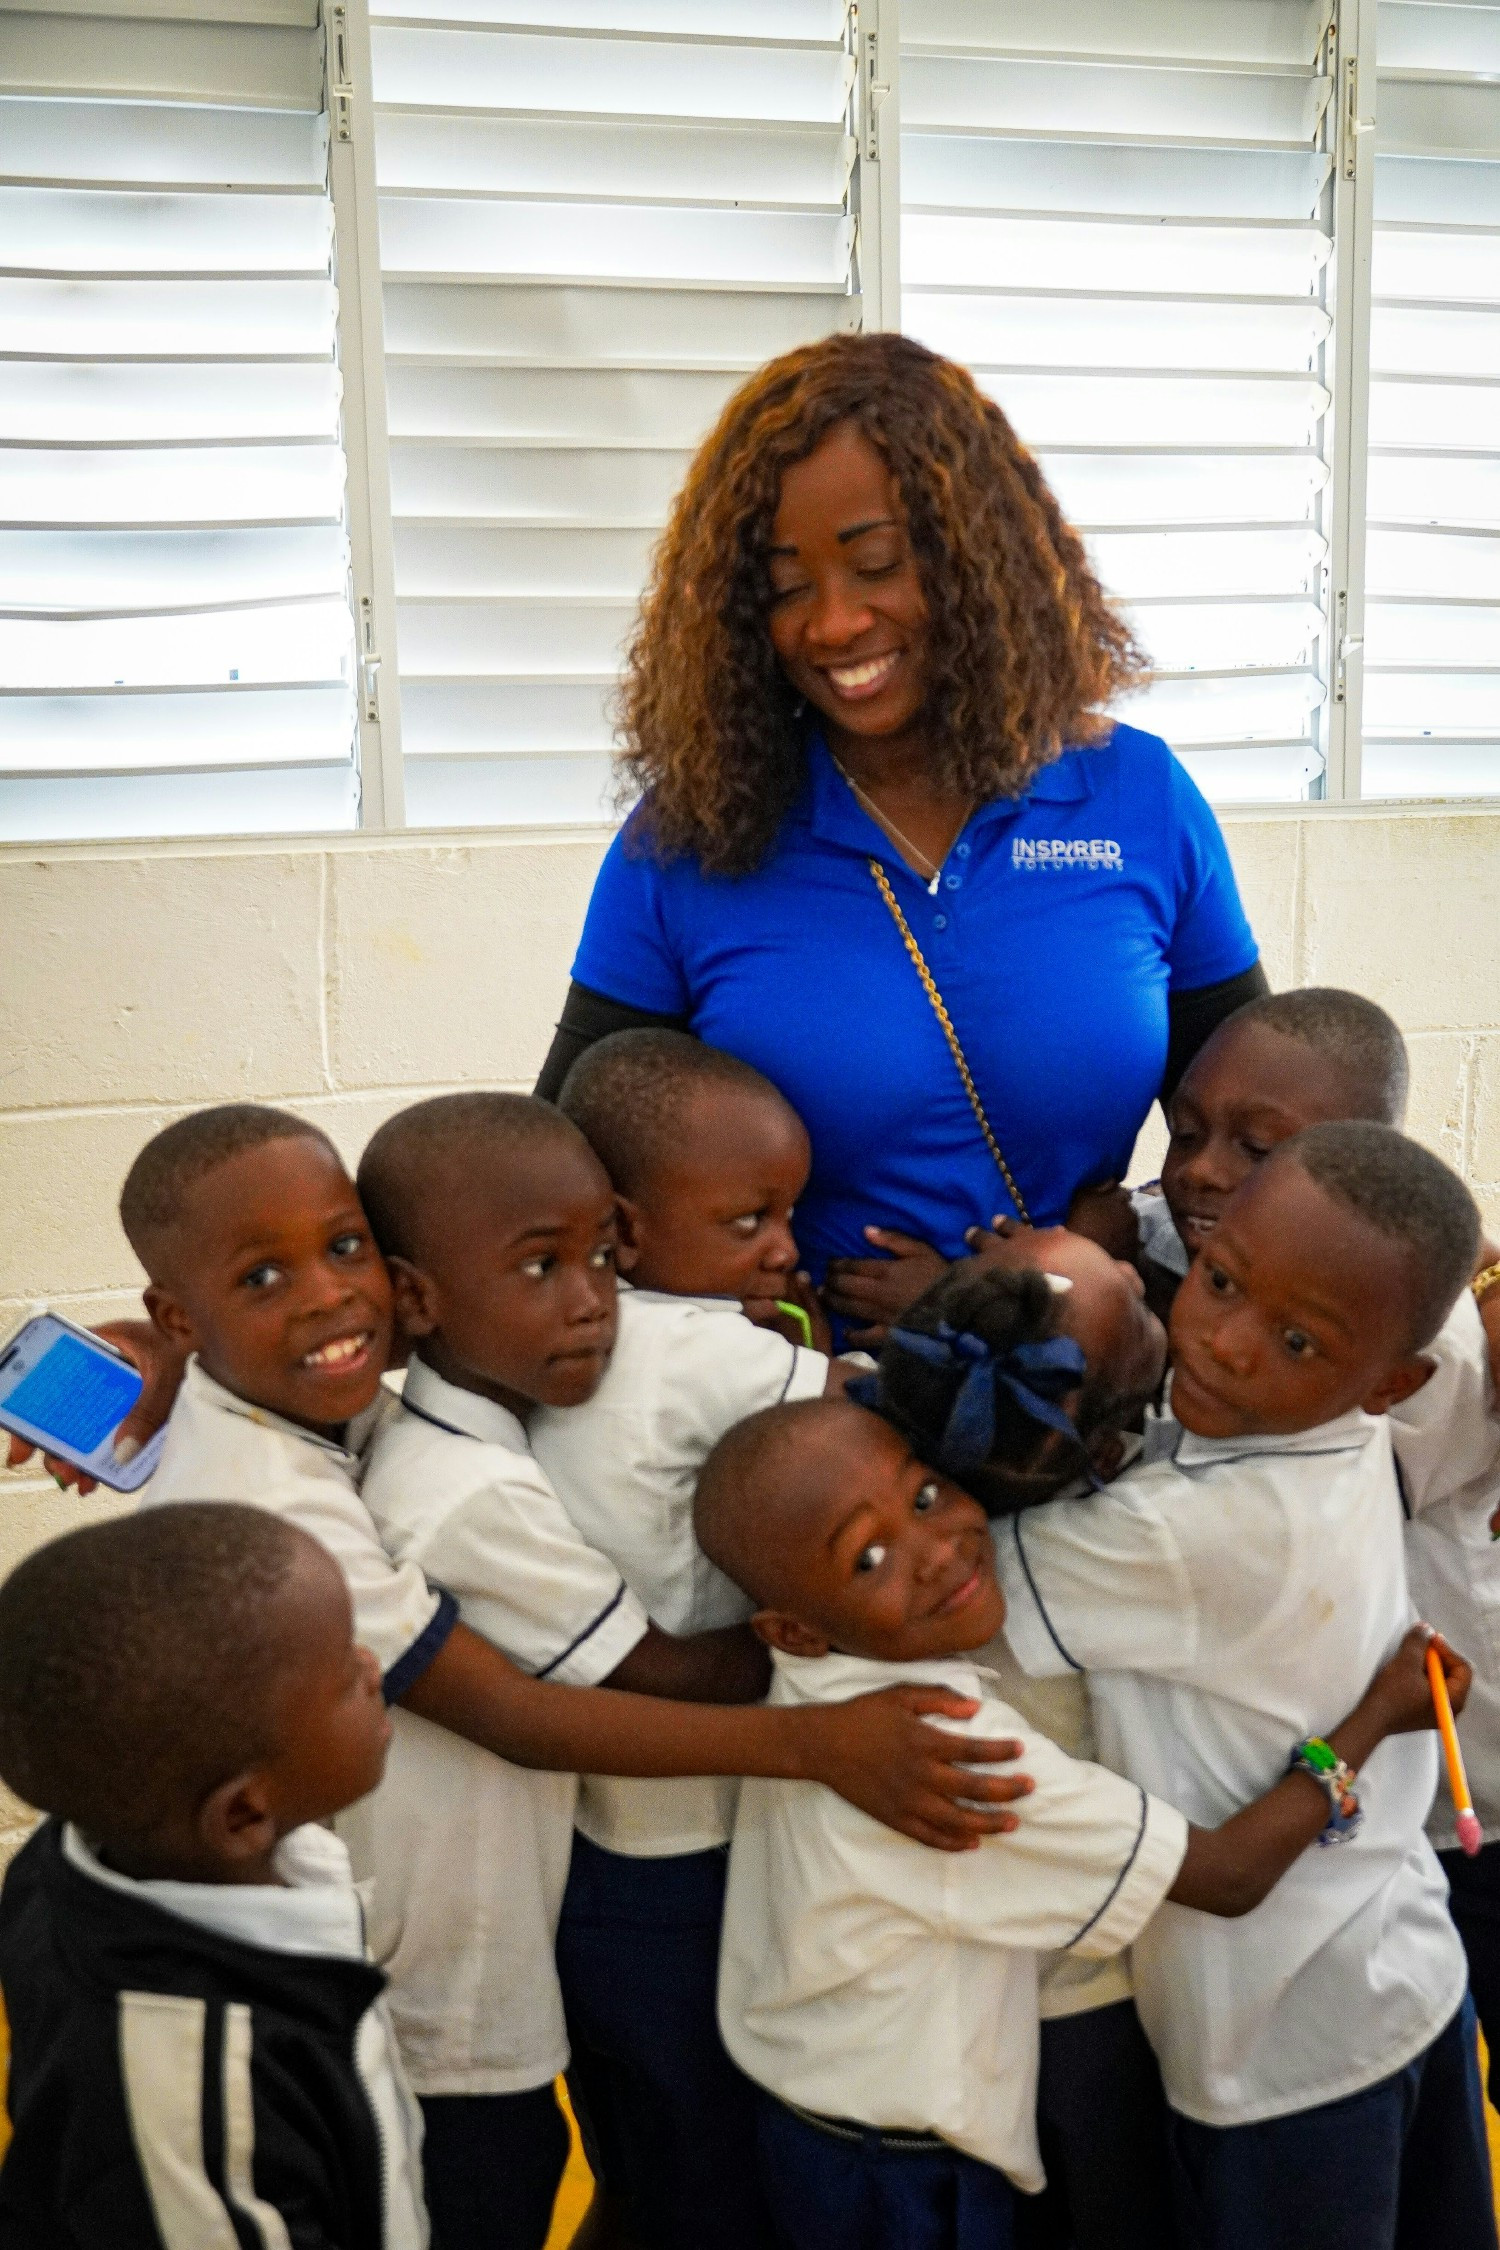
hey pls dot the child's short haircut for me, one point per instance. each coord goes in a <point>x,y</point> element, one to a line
<point>181,1155</point>
<point>629,1094</point>
<point>420,1158</point>
<point>740,1501</point>
<point>1352,1033</point>
<point>139,1660</point>
<point>1405,1192</point>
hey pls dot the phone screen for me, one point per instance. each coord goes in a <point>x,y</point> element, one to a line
<point>76,1393</point>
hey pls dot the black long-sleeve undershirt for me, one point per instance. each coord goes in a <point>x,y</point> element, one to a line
<point>1192,1019</point>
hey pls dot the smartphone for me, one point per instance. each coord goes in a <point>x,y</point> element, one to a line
<point>68,1391</point>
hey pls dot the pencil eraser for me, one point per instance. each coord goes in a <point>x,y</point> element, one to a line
<point>1469,1834</point>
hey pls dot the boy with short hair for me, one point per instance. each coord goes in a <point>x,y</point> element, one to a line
<point>891,2018</point>
<point>199,2048</point>
<point>262,1264</point>
<point>1250,1582</point>
<point>707,1160</point>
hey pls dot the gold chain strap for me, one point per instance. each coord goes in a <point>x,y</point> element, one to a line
<point>882,881</point>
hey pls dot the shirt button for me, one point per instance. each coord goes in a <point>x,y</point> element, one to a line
<point>940,921</point>
<point>952,882</point>
<point>962,850</point>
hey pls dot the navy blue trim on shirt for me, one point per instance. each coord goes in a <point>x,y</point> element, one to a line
<point>1401,1486</point>
<point>413,1662</point>
<point>578,1640</point>
<point>437,1421</point>
<point>1041,1607</point>
<point>1113,1892</point>
<point>791,1371</point>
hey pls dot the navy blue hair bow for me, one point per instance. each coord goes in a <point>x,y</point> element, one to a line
<point>1037,1377</point>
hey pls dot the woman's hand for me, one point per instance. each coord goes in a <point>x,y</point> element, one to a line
<point>1399,1698</point>
<point>876,1291</point>
<point>160,1365</point>
<point>799,1291</point>
<point>882,1753</point>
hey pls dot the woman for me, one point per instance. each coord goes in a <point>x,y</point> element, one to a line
<point>863,708</point>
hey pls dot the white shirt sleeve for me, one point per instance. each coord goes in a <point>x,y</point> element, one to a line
<point>394,1606</point>
<point>529,1582</point>
<point>1447,1434</point>
<point>1097,1584</point>
<point>1089,1865</point>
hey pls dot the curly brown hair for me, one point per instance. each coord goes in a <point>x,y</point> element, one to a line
<point>1024,648</point>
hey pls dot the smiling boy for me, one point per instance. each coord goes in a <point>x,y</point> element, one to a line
<point>890,2018</point>
<point>1247,1585</point>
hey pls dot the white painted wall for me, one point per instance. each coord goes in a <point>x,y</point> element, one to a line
<point>347,975</point>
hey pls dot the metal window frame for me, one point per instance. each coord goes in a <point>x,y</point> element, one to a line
<point>1353,35</point>
<point>361,334</point>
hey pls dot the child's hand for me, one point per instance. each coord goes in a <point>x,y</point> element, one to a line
<point>1400,1694</point>
<point>881,1753</point>
<point>1106,1215</point>
<point>798,1291</point>
<point>876,1291</point>
<point>160,1366</point>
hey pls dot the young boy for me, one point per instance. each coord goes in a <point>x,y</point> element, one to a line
<point>890,2017</point>
<point>1247,1584</point>
<point>707,1161</point>
<point>263,1266</point>
<point>499,1226</point>
<point>199,2049</point>
<point>1281,1064</point>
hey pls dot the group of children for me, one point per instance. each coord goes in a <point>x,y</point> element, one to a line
<point>972,1798</point>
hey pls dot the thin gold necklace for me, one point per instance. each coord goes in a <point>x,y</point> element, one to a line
<point>897,835</point>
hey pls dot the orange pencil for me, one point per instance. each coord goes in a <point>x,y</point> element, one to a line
<point>1467,1822</point>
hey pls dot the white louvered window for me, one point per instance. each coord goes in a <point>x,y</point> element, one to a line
<point>596,216</point>
<point>1117,213</point>
<point>1432,606</point>
<point>175,638</point>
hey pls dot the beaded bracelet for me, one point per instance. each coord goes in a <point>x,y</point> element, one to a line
<point>1321,1763</point>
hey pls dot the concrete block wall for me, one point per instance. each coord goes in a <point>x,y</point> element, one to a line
<point>345,976</point>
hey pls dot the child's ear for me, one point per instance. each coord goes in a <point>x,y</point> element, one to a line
<point>789,1634</point>
<point>173,1320</point>
<point>628,1233</point>
<point>414,1296</point>
<point>1398,1384</point>
<point>237,1820</point>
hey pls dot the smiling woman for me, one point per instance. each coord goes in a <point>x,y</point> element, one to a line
<point>889,847</point>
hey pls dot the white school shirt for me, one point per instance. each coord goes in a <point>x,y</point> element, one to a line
<point>865,1977</point>
<point>219,1447</point>
<point>625,1466</point>
<point>313,1909</point>
<point>1447,1438</point>
<point>1230,1601</point>
<point>469,1854</point>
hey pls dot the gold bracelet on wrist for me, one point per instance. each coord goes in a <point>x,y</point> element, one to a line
<point>1484,1282</point>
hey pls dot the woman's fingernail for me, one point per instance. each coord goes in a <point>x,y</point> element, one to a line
<point>126,1449</point>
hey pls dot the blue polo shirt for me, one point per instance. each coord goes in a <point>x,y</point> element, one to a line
<point>1061,922</point>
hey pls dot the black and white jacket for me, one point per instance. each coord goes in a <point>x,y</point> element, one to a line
<point>197,2067</point>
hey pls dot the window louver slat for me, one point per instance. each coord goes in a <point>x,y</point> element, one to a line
<point>594,220</point>
<point>175,635</point>
<point>1431,710</point>
<point>1115,212</point>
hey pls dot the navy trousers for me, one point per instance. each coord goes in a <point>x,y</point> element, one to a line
<point>866,2191</point>
<point>1474,1900</point>
<point>667,2120</point>
<point>492,2164</point>
<point>1101,2124</point>
<point>1402,2166</point>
